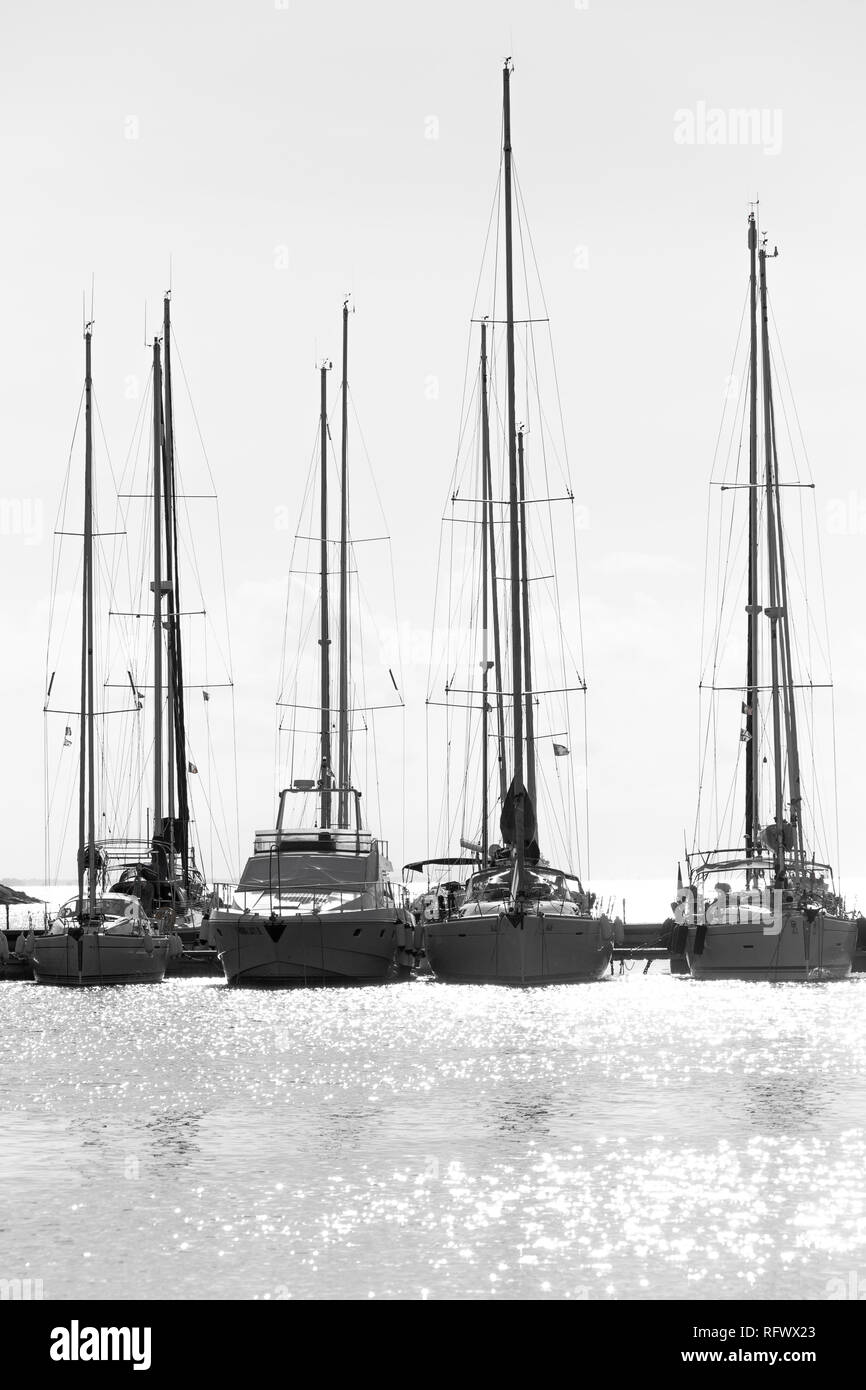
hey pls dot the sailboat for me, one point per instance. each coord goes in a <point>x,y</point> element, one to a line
<point>315,904</point>
<point>767,909</point>
<point>516,919</point>
<point>103,939</point>
<point>161,871</point>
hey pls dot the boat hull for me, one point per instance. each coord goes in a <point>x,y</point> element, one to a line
<point>97,958</point>
<point>533,949</point>
<point>346,948</point>
<point>819,950</point>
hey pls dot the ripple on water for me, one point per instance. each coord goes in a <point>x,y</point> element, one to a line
<point>641,1137</point>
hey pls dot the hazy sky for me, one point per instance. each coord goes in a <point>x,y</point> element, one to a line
<point>282,155</point>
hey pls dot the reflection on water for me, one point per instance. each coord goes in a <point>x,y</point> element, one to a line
<point>524,1117</point>
<point>641,1137</point>
<point>773,1102</point>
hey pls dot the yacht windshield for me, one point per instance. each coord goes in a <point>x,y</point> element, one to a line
<point>113,907</point>
<point>320,873</point>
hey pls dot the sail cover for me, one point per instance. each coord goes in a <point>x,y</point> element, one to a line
<point>507,821</point>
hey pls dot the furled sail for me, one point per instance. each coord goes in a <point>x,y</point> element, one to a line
<point>507,823</point>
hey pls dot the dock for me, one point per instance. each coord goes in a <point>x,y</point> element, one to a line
<point>648,942</point>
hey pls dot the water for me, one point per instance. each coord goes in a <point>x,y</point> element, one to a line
<point>641,1137</point>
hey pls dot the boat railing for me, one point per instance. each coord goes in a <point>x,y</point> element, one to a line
<point>759,901</point>
<point>702,863</point>
<point>427,867</point>
<point>222,895</point>
<point>317,841</point>
<point>343,793</point>
<point>118,853</point>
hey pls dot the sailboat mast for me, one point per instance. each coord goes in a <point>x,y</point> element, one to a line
<point>791,739</point>
<point>527,648</point>
<point>325,639</point>
<point>86,801</point>
<point>516,643</point>
<point>494,595</point>
<point>753,767</point>
<point>773,610</point>
<point>167,508</point>
<point>157,598</point>
<point>343,728</point>
<point>485,664</point>
<point>169,762</point>
<point>177,723</point>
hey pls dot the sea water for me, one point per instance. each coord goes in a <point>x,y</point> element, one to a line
<point>645,1136</point>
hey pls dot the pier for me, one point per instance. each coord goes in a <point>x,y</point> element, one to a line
<point>647,941</point>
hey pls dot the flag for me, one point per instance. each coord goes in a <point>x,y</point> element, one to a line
<point>192,767</point>
<point>744,736</point>
<point>560,750</point>
<point>204,695</point>
<point>67,737</point>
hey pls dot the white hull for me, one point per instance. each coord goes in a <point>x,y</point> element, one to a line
<point>343,948</point>
<point>819,950</point>
<point>531,949</point>
<point>99,958</point>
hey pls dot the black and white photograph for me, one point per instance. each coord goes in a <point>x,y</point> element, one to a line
<point>432,565</point>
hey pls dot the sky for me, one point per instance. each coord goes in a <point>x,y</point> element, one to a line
<point>271,158</point>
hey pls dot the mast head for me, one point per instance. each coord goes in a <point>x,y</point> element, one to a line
<point>764,252</point>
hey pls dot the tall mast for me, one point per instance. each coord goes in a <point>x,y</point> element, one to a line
<point>516,643</point>
<point>169,598</point>
<point>527,649</point>
<point>494,595</point>
<point>753,766</point>
<point>789,702</point>
<point>485,664</point>
<point>773,610</point>
<point>325,639</point>
<point>177,723</point>
<point>343,728</point>
<point>157,597</point>
<point>86,789</point>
